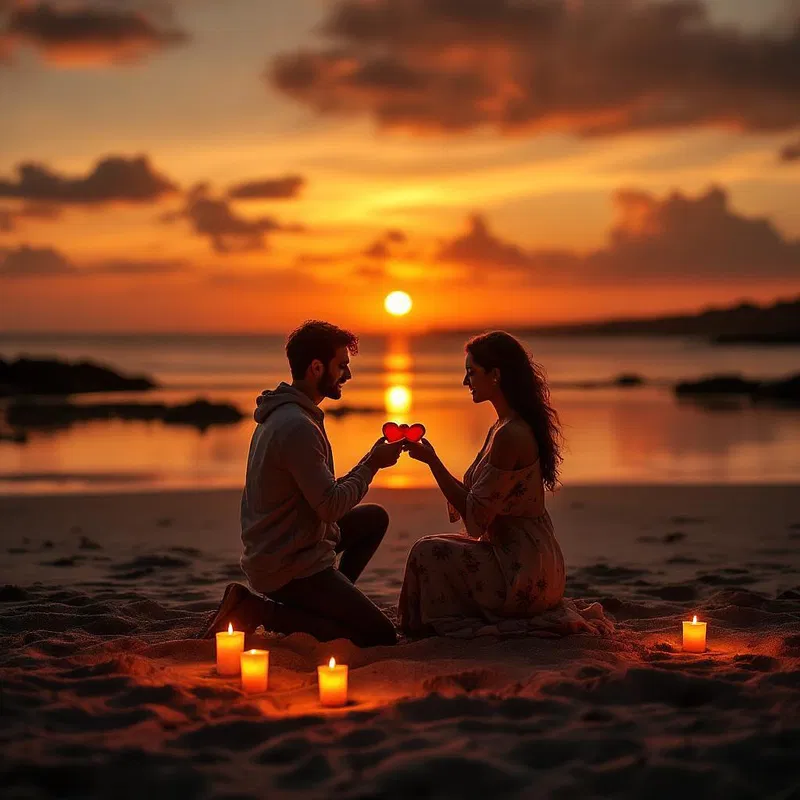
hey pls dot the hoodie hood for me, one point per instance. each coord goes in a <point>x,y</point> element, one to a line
<point>270,399</point>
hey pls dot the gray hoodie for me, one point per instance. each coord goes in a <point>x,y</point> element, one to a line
<point>291,500</point>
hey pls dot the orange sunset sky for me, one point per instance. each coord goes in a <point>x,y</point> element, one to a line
<point>200,165</point>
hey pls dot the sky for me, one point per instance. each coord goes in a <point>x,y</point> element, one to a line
<point>243,165</point>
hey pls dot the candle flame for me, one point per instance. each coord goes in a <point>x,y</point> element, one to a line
<point>332,663</point>
<point>253,652</point>
<point>230,629</point>
<point>694,620</point>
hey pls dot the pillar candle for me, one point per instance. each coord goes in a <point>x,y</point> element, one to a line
<point>230,645</point>
<point>255,668</point>
<point>332,684</point>
<point>694,636</point>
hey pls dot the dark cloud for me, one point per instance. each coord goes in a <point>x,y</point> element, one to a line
<point>89,32</point>
<point>47,262</point>
<point>589,68</point>
<point>478,247</point>
<point>113,179</point>
<point>378,250</point>
<point>34,262</point>
<point>10,217</point>
<point>677,237</point>
<point>269,189</point>
<point>227,231</point>
<point>381,248</point>
<point>791,152</point>
<point>693,237</point>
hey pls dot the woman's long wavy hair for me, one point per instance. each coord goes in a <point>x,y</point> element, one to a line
<point>525,388</point>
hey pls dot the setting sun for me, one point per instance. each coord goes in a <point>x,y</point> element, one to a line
<point>398,303</point>
<point>397,399</point>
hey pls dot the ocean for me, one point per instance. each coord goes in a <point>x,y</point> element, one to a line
<point>614,435</point>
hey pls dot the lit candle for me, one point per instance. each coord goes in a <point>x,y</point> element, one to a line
<point>332,684</point>
<point>255,666</point>
<point>229,648</point>
<point>694,636</point>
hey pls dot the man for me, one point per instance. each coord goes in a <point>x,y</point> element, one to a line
<point>296,516</point>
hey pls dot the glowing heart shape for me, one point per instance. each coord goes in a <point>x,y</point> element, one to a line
<point>393,432</point>
<point>415,432</point>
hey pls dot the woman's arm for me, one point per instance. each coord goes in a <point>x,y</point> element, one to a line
<point>454,491</point>
<point>504,454</point>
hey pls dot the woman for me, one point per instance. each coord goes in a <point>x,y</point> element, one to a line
<point>507,564</point>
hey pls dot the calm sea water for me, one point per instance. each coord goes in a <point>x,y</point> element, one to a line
<point>638,435</point>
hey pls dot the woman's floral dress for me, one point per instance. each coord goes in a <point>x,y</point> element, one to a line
<point>506,565</point>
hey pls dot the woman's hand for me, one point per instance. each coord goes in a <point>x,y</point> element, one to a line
<point>421,451</point>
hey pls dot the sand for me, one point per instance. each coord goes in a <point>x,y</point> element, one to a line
<point>106,691</point>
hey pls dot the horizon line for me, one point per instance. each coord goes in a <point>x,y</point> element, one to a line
<point>549,327</point>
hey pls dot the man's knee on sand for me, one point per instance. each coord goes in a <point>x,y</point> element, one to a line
<point>375,518</point>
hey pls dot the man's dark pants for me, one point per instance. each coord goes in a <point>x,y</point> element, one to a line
<point>328,605</point>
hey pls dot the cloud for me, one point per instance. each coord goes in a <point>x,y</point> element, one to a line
<point>381,248</point>
<point>479,248</point>
<point>378,250</point>
<point>113,179</point>
<point>47,262</point>
<point>268,189</point>
<point>591,68</point>
<point>10,217</point>
<point>677,237</point>
<point>34,262</point>
<point>227,231</point>
<point>700,237</point>
<point>791,152</point>
<point>396,236</point>
<point>88,33</point>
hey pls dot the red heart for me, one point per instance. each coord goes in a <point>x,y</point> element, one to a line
<point>415,432</point>
<point>393,432</point>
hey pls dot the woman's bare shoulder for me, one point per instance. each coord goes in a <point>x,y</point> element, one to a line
<point>513,446</point>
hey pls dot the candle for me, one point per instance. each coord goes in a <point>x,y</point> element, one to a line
<point>332,684</point>
<point>694,636</point>
<point>255,666</point>
<point>229,648</point>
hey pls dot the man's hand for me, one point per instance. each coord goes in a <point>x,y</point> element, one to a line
<point>384,454</point>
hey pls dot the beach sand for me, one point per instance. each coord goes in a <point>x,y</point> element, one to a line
<point>106,691</point>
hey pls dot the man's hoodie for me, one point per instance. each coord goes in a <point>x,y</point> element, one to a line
<point>292,501</point>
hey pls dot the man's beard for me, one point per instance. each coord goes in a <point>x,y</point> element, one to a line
<point>327,387</point>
